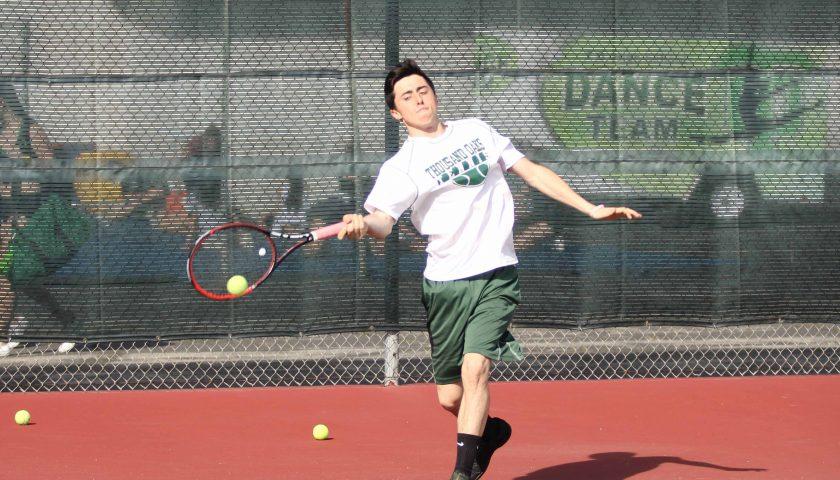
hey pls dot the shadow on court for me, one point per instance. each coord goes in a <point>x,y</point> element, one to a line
<point>617,466</point>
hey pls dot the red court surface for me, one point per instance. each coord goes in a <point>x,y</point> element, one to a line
<point>662,429</point>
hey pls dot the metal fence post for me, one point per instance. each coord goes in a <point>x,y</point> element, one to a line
<point>392,359</point>
<point>392,145</point>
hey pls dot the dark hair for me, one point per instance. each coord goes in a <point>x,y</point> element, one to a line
<point>395,74</point>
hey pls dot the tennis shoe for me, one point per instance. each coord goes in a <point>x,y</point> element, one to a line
<point>6,348</point>
<point>496,433</point>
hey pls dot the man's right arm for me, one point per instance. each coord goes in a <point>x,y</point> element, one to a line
<point>377,224</point>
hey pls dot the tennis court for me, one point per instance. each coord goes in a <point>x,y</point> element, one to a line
<point>697,339</point>
<point>650,429</point>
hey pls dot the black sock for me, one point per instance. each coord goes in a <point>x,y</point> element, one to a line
<point>467,447</point>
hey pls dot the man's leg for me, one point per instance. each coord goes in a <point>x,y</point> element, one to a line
<point>6,295</point>
<point>472,414</point>
<point>487,340</point>
<point>475,375</point>
<point>462,380</point>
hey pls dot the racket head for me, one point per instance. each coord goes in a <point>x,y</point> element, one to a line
<point>236,248</point>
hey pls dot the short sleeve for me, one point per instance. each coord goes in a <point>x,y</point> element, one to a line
<point>508,154</point>
<point>393,193</point>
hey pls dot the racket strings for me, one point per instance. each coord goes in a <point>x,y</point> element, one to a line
<point>229,252</point>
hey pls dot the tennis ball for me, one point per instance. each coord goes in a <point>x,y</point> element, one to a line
<point>237,285</point>
<point>320,432</point>
<point>22,417</point>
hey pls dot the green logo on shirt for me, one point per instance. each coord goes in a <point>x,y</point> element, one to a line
<point>472,173</point>
<point>466,166</point>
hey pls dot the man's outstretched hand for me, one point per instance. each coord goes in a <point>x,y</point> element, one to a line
<point>614,213</point>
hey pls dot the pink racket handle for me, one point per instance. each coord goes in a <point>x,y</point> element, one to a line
<point>330,231</point>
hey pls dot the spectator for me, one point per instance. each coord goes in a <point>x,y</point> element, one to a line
<point>23,143</point>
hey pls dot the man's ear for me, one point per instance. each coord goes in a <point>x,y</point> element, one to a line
<point>396,115</point>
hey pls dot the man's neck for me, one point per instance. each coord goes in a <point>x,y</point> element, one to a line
<point>430,131</point>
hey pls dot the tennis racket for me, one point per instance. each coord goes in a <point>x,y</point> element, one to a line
<point>245,249</point>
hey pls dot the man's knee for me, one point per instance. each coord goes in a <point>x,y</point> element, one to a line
<point>475,369</point>
<point>450,402</point>
<point>449,397</point>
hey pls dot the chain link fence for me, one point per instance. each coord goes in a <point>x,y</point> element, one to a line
<point>130,127</point>
<point>403,357</point>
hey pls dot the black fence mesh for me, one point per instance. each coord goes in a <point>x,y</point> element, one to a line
<point>130,127</point>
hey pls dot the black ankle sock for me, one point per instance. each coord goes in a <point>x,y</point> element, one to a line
<point>467,447</point>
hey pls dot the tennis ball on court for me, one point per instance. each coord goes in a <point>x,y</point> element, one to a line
<point>237,285</point>
<point>22,417</point>
<point>320,432</point>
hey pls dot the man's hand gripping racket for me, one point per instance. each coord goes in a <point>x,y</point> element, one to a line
<point>242,249</point>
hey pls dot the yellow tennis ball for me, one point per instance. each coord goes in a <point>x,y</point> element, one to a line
<point>237,285</point>
<point>22,417</point>
<point>320,432</point>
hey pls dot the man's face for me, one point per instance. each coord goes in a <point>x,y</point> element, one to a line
<point>415,102</point>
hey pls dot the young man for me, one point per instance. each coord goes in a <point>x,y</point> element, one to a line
<point>451,176</point>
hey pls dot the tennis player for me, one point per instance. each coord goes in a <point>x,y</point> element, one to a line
<point>451,176</point>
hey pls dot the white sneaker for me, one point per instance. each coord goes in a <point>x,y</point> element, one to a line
<point>65,347</point>
<point>6,348</point>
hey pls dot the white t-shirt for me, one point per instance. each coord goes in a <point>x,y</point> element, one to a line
<point>454,184</point>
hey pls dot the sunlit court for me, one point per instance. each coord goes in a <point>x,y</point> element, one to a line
<point>401,239</point>
<point>710,428</point>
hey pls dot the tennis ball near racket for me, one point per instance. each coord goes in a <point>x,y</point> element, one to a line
<point>22,417</point>
<point>237,285</point>
<point>320,432</point>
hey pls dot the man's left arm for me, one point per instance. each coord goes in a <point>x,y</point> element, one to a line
<point>551,185</point>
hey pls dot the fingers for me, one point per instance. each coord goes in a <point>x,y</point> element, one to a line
<point>629,213</point>
<point>618,213</point>
<point>625,213</point>
<point>348,228</point>
<point>354,228</point>
<point>348,218</point>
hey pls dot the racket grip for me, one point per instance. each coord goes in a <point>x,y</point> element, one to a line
<point>330,231</point>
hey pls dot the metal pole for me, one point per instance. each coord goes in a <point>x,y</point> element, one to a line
<point>392,259</point>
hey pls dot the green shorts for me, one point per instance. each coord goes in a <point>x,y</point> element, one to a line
<point>471,315</point>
